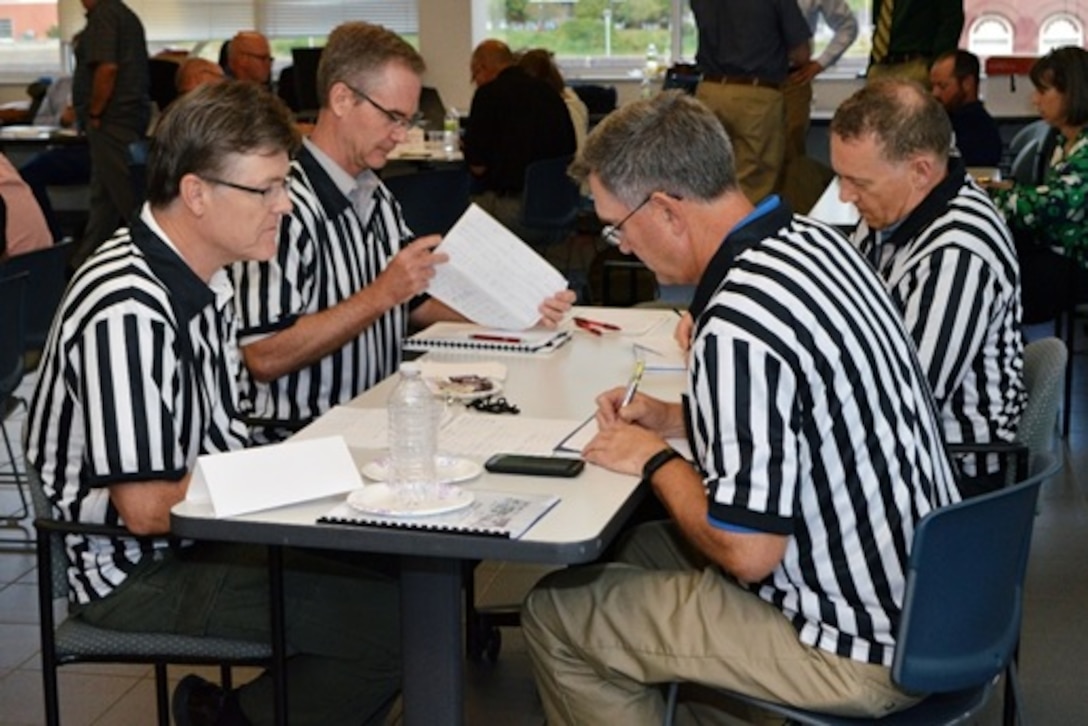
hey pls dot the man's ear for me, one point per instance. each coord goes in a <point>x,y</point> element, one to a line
<point>193,193</point>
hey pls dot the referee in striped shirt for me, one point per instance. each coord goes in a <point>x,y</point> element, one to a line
<point>324,319</point>
<point>945,255</point>
<point>817,450</point>
<point>139,379</point>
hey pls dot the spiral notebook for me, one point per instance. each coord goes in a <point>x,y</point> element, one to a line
<point>469,336</point>
<point>491,514</point>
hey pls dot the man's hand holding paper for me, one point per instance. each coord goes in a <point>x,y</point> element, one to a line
<point>495,279</point>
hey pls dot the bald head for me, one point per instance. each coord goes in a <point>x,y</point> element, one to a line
<point>250,57</point>
<point>194,72</point>
<point>489,59</point>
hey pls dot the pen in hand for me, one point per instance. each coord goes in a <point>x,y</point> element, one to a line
<point>632,385</point>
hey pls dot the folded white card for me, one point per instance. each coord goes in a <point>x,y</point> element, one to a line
<point>239,482</point>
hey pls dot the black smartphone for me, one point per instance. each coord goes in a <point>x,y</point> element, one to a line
<point>534,465</point>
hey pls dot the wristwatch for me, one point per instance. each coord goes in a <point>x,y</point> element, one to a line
<point>657,461</point>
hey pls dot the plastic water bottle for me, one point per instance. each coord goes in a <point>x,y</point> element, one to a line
<point>649,72</point>
<point>451,128</point>
<point>413,435</point>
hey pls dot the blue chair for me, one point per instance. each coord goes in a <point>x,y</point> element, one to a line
<point>431,200</point>
<point>550,199</point>
<point>960,624</point>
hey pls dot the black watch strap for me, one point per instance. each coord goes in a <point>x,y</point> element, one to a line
<point>657,461</point>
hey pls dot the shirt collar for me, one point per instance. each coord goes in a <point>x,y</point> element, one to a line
<point>358,189</point>
<point>189,295</point>
<point>771,215</point>
<point>931,207</point>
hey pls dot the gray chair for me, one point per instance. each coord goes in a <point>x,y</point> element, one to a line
<point>74,641</point>
<point>961,613</point>
<point>1045,363</point>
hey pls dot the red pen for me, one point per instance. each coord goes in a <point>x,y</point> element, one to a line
<point>588,324</point>
<point>494,338</point>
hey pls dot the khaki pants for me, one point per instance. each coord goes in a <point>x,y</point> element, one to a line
<point>915,70</point>
<point>754,118</point>
<point>605,639</point>
<point>798,100</point>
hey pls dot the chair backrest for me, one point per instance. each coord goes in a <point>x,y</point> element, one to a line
<point>56,576</point>
<point>48,274</point>
<point>961,611</point>
<point>684,76</point>
<point>1044,377</point>
<point>1030,151</point>
<point>550,199</point>
<point>432,108</point>
<point>162,73</point>
<point>599,100</point>
<point>137,170</point>
<point>431,200</point>
<point>12,326</point>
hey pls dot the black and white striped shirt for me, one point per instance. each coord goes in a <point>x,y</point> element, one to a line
<point>138,378</point>
<point>953,273</point>
<point>328,251</point>
<point>811,418</point>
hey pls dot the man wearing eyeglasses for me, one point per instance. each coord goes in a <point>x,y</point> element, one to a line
<point>140,379</point>
<point>249,58</point>
<point>815,443</point>
<point>323,320</point>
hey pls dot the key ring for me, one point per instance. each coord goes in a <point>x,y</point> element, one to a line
<point>494,404</point>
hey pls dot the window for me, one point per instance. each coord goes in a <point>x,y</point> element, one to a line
<point>1059,30</point>
<point>197,26</point>
<point>990,35</point>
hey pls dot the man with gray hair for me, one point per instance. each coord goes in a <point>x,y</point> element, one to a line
<point>804,401</point>
<point>323,320</point>
<point>945,255</point>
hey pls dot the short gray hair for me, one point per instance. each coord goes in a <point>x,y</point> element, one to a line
<point>670,143</point>
<point>901,114</point>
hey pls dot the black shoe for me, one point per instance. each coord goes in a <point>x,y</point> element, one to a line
<point>198,702</point>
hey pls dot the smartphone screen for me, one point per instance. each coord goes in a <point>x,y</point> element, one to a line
<point>534,465</point>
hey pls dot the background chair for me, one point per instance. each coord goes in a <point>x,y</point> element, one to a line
<point>74,641</point>
<point>12,315</point>
<point>47,271</point>
<point>599,100</point>
<point>432,200</point>
<point>550,205</point>
<point>137,170</point>
<point>960,623</point>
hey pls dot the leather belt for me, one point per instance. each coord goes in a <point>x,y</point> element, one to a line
<point>741,81</point>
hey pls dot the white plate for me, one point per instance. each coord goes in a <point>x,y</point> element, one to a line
<point>464,388</point>
<point>448,469</point>
<point>381,499</point>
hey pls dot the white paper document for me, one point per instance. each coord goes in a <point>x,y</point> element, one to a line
<point>239,482</point>
<point>492,277</point>
<point>470,434</point>
<point>832,210</point>
<point>660,353</point>
<point>584,433</point>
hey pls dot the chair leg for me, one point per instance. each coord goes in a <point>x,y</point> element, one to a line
<point>278,618</point>
<point>49,691</point>
<point>1067,403</point>
<point>225,680</point>
<point>670,703</point>
<point>1010,715</point>
<point>16,477</point>
<point>162,697</point>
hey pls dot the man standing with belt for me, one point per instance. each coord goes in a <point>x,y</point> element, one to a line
<point>909,34</point>
<point>746,48</point>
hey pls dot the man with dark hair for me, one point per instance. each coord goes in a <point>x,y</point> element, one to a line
<point>140,379</point>
<point>945,255</point>
<point>954,79</point>
<point>110,91</point>
<point>816,452</point>
<point>323,320</point>
<point>515,119</point>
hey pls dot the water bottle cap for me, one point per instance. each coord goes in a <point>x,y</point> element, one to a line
<point>410,368</point>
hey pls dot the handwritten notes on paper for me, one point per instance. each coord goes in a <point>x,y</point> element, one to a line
<point>492,277</point>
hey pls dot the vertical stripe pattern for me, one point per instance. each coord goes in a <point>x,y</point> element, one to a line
<point>327,253</point>
<point>954,275</point>
<point>138,378</point>
<point>882,34</point>
<point>812,419</point>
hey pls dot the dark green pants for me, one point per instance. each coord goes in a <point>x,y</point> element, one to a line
<point>342,618</point>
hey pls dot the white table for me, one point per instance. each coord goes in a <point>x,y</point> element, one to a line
<point>591,510</point>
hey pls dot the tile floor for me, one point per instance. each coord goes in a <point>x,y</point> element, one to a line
<point>1055,634</point>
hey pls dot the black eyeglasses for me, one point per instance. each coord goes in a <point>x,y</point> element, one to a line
<point>395,117</point>
<point>267,194</point>
<point>611,232</point>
